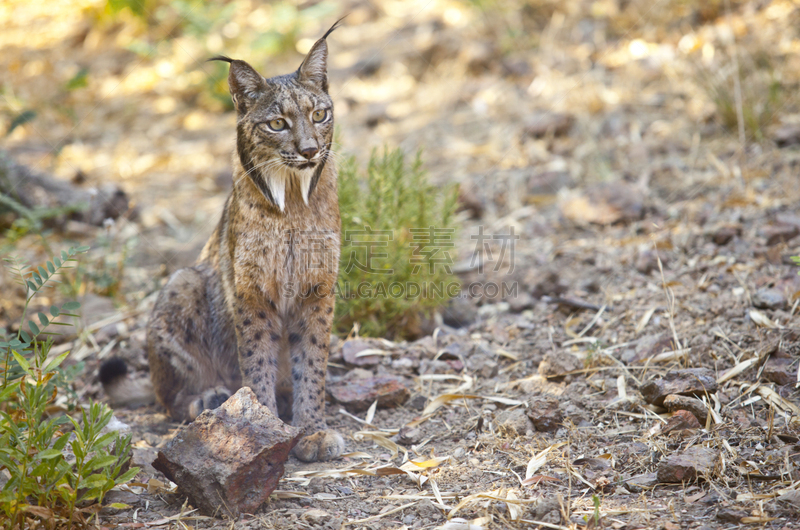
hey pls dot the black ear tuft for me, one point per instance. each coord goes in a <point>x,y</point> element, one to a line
<point>220,58</point>
<point>314,69</point>
<point>111,370</point>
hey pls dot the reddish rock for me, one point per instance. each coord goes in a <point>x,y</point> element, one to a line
<point>544,413</point>
<point>229,460</point>
<point>687,382</point>
<point>687,466</point>
<point>780,371</point>
<point>357,395</point>
<point>352,348</point>
<point>681,420</point>
<point>674,403</point>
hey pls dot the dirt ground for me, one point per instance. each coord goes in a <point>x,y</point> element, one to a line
<point>655,234</point>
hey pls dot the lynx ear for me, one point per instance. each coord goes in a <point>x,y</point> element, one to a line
<point>246,84</point>
<point>314,70</point>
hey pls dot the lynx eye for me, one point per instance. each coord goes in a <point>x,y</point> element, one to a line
<point>278,124</point>
<point>319,115</point>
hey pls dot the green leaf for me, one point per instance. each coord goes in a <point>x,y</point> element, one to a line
<point>56,362</point>
<point>57,261</point>
<point>37,279</point>
<point>22,361</point>
<point>92,481</point>
<point>43,319</point>
<point>34,327</point>
<point>21,119</point>
<point>50,267</point>
<point>127,476</point>
<point>104,440</point>
<point>79,80</point>
<point>15,343</point>
<point>54,310</point>
<point>100,461</point>
<point>24,335</point>
<point>82,249</point>
<point>69,306</point>
<point>31,286</point>
<point>61,443</point>
<point>64,255</point>
<point>118,506</point>
<point>43,273</point>
<point>48,454</point>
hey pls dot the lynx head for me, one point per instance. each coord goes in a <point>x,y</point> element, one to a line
<point>284,123</point>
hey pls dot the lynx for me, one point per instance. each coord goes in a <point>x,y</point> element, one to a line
<point>256,308</point>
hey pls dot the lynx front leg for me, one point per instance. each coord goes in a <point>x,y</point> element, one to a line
<point>259,339</point>
<point>309,340</point>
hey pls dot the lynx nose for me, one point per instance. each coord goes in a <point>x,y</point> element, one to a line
<point>309,152</point>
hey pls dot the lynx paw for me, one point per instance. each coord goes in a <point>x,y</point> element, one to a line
<point>210,399</point>
<point>319,447</point>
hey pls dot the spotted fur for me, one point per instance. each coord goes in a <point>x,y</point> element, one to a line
<point>256,309</point>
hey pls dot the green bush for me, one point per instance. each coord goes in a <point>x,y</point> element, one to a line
<point>398,232</point>
<point>58,469</point>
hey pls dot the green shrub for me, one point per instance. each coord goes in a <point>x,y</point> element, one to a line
<point>58,468</point>
<point>397,232</point>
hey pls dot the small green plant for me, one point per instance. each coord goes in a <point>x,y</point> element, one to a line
<point>398,235</point>
<point>796,260</point>
<point>58,468</point>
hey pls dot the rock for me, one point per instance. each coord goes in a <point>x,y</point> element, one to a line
<point>687,466</point>
<point>681,420</point>
<point>640,483</point>
<point>357,395</point>
<point>521,302</point>
<point>460,312</point>
<point>230,458</point>
<point>544,413</point>
<point>547,510</point>
<point>686,382</point>
<point>674,403</point>
<point>780,371</point>
<point>351,349</point>
<point>316,517</point>
<point>787,135</point>
<point>419,403</point>
<point>766,298</point>
<point>409,435</point>
<point>729,514</point>
<point>603,204</point>
<point>725,234</point>
<point>514,422</point>
<point>548,123</point>
<point>547,283</point>
<point>779,233</point>
<point>471,202</point>
<point>558,364</point>
<point>549,183</point>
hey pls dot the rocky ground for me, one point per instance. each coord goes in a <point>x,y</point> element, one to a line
<point>643,370</point>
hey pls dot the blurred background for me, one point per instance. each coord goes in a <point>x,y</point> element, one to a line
<point>555,117</point>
